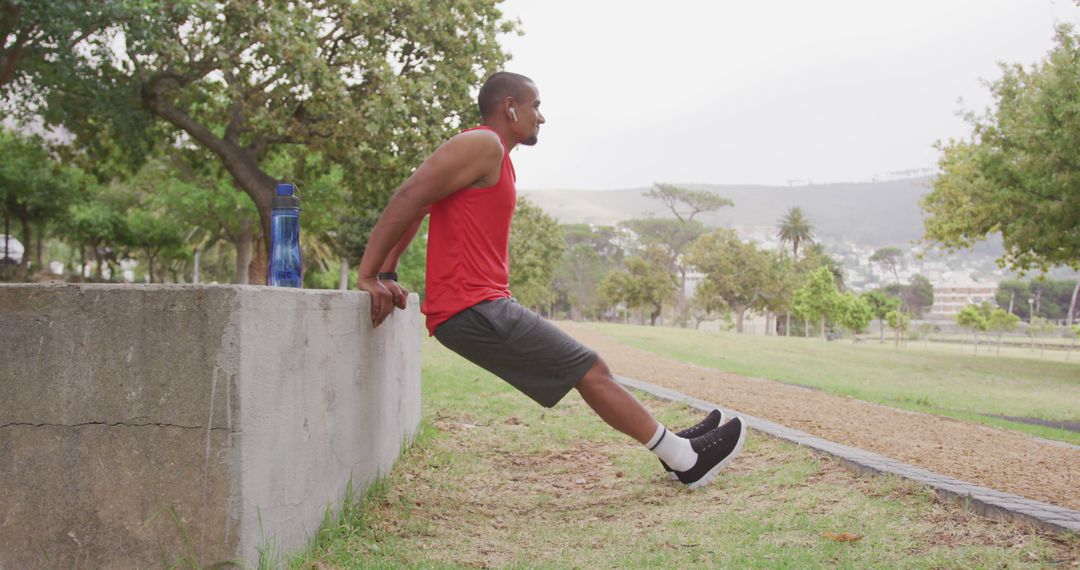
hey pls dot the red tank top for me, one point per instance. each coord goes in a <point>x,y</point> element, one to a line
<point>468,253</point>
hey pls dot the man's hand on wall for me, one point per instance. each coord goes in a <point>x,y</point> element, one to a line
<point>382,300</point>
<point>399,293</point>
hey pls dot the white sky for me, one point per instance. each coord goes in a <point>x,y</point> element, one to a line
<point>762,92</point>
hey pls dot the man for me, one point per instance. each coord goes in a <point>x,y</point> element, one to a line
<point>467,185</point>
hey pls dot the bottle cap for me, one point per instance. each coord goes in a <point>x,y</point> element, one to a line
<point>285,197</point>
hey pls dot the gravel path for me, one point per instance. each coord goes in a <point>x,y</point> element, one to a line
<point>995,458</point>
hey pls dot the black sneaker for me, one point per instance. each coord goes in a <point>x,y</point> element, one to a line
<point>715,418</point>
<point>715,450</point>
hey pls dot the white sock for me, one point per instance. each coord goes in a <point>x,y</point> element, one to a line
<point>672,449</point>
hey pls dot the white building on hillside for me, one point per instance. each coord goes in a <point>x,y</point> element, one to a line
<point>951,298</point>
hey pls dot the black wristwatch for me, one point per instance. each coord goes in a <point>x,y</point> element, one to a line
<point>387,276</point>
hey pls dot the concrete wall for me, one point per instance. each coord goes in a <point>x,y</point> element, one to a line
<point>142,424</point>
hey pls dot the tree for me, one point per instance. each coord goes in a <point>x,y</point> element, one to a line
<point>536,246</point>
<point>685,203</point>
<point>916,297</point>
<point>817,299</point>
<point>371,86</point>
<point>880,306</point>
<point>899,320</point>
<point>642,283</point>
<point>672,237</point>
<point>1075,332</point>
<point>974,317</point>
<point>795,229</point>
<point>1017,175</point>
<point>589,255</point>
<point>35,34</point>
<point>890,258</point>
<point>34,188</point>
<point>1052,298</point>
<point>675,235</point>
<point>737,274</point>
<point>853,313</point>
<point>1001,322</point>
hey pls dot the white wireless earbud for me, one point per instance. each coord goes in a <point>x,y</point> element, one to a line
<point>513,114</point>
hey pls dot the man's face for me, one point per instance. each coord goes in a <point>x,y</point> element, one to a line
<point>529,116</point>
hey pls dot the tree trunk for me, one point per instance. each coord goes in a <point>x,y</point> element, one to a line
<point>242,243</point>
<point>24,263</point>
<point>976,335</point>
<point>151,269</point>
<point>97,262</point>
<point>258,268</point>
<point>1072,305</point>
<point>343,275</point>
<point>999,342</point>
<point>787,323</point>
<point>195,272</point>
<point>740,312</point>
<point>241,162</point>
<point>1012,297</point>
<point>39,257</point>
<point>881,327</point>
<point>823,328</point>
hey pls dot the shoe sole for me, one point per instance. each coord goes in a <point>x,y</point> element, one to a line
<point>671,473</point>
<point>708,477</point>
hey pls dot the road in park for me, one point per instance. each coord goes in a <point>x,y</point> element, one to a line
<point>996,458</point>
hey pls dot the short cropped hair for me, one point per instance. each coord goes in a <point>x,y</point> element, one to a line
<point>497,87</point>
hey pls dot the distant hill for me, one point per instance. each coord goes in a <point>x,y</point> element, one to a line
<point>874,214</point>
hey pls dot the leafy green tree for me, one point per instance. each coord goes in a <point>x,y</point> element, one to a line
<point>853,313</point>
<point>642,283</point>
<point>591,252</point>
<point>880,305</point>
<point>674,236</point>
<point>97,224</point>
<point>371,86</point>
<point>1002,322</point>
<point>35,34</point>
<point>890,258</point>
<point>976,319</point>
<point>899,320</point>
<point>536,246</point>
<point>815,256</point>
<point>795,229</point>
<point>1017,175</point>
<point>917,297</point>
<point>737,274</point>
<point>817,299</point>
<point>35,189</point>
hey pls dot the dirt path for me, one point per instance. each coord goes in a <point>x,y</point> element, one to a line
<point>995,458</point>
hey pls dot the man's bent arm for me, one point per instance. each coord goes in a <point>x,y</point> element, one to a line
<point>391,261</point>
<point>458,164</point>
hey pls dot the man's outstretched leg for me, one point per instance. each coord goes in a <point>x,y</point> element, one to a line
<point>695,455</point>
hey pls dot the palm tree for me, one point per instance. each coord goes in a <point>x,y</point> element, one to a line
<point>795,229</point>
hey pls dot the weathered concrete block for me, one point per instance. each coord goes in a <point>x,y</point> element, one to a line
<point>142,424</point>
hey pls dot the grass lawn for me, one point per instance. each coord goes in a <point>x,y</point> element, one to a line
<point>935,381</point>
<point>493,480</point>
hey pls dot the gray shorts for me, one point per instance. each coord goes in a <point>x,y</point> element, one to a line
<point>520,347</point>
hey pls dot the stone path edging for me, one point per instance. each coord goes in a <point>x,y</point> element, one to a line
<point>981,500</point>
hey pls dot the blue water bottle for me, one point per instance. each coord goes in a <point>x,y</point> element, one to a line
<point>285,269</point>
